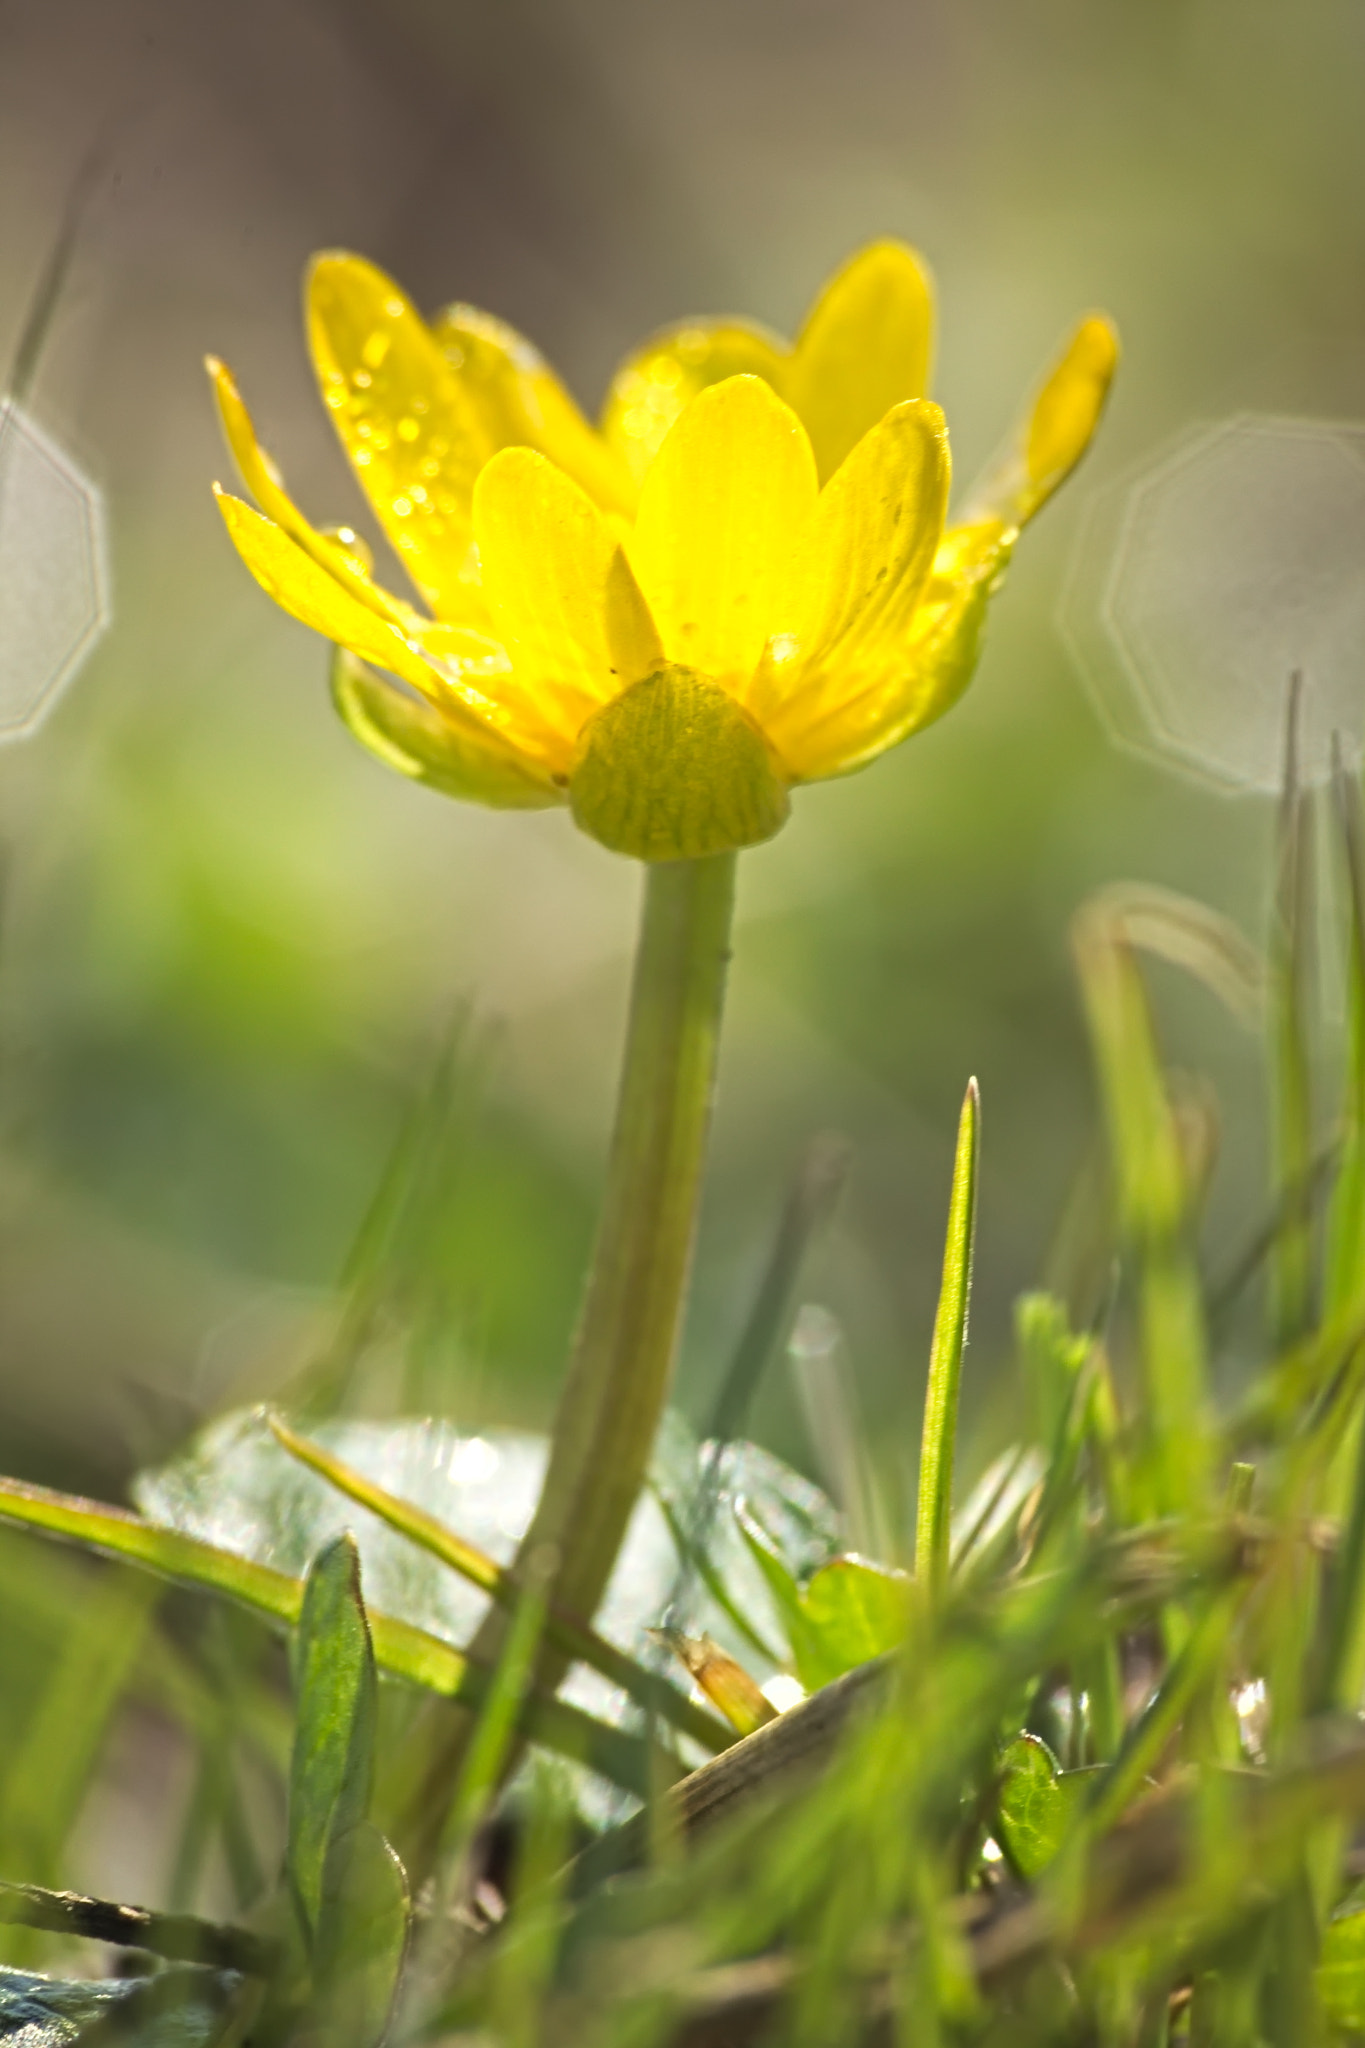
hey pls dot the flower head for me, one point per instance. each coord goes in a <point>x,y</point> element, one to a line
<point>742,581</point>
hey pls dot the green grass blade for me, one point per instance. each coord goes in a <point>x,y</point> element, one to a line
<point>46,1774</point>
<point>1154,1200</point>
<point>1291,1261</point>
<point>581,1644</point>
<point>490,1745</point>
<point>939,1435</point>
<point>400,1649</point>
<point>332,1766</point>
<point>1345,1277</point>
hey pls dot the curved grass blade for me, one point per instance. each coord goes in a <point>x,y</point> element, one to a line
<point>582,1644</point>
<point>400,1649</point>
<point>933,1517</point>
<point>1154,1198</point>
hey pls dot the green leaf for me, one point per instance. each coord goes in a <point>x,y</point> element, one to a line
<point>1341,1972</point>
<point>933,1516</point>
<point>181,2008</point>
<point>333,1760</point>
<point>1038,1803</point>
<point>362,1938</point>
<point>853,1611</point>
<point>582,1644</point>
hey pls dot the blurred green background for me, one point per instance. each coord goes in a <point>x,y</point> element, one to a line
<point>233,945</point>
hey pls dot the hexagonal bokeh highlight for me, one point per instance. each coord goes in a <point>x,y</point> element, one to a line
<point>54,588</point>
<point>1201,582</point>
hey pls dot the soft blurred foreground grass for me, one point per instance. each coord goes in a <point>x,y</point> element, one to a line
<point>1090,1769</point>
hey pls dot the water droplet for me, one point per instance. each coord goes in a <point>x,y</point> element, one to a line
<point>394,307</point>
<point>362,379</point>
<point>376,348</point>
<point>402,507</point>
<point>408,429</point>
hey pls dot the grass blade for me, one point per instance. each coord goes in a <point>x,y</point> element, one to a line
<point>332,1765</point>
<point>1154,1197</point>
<point>581,1644</point>
<point>1291,1264</point>
<point>401,1650</point>
<point>939,1435</point>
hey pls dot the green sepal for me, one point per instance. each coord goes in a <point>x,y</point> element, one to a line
<point>675,769</point>
<point>406,734</point>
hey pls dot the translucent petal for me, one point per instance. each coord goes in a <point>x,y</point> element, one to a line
<point>867,558</point>
<point>410,735</point>
<point>655,385</point>
<point>1057,430</point>
<point>308,593</point>
<point>934,668</point>
<point>865,347</point>
<point>723,513</point>
<point>548,555</point>
<point>414,439</point>
<point>522,403</point>
<point>262,478</point>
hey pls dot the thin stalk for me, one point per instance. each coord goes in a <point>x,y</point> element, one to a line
<point>627,1336</point>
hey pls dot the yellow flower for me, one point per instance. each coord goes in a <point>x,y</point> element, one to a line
<point>741,582</point>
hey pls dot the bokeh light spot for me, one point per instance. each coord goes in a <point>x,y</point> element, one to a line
<point>54,590</point>
<point>1203,580</point>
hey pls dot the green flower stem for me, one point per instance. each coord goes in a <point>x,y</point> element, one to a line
<point>628,1332</point>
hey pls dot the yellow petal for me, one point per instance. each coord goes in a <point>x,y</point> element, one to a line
<point>935,666</point>
<point>410,735</point>
<point>865,347</point>
<point>867,559</point>
<point>308,593</point>
<point>723,512</point>
<point>262,478</point>
<point>1057,431</point>
<point>548,559</point>
<point>414,439</point>
<point>522,403</point>
<point>655,386</point>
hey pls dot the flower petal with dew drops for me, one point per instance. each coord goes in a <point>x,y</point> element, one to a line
<point>414,439</point>
<point>935,664</point>
<point>655,386</point>
<point>1057,431</point>
<point>308,593</point>
<point>262,478</point>
<point>408,734</point>
<point>548,558</point>
<point>866,560</point>
<point>866,346</point>
<point>522,403</point>
<point>723,512</point>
